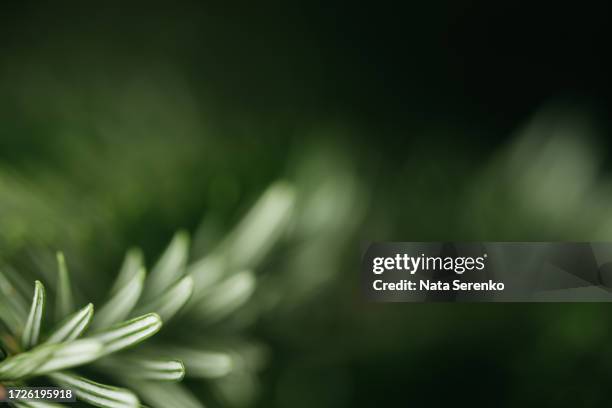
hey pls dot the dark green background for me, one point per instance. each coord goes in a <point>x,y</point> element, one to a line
<point>131,121</point>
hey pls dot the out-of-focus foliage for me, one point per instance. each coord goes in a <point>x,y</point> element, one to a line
<point>302,337</point>
<point>110,141</point>
<point>109,189</point>
<point>214,293</point>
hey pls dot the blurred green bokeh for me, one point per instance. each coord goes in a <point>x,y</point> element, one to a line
<point>118,129</point>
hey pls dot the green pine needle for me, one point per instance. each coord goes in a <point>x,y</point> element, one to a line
<point>164,395</point>
<point>144,368</point>
<point>70,354</point>
<point>73,326</point>
<point>128,333</point>
<point>97,394</point>
<point>132,264</point>
<point>48,358</point>
<point>203,363</point>
<point>170,302</point>
<point>122,303</point>
<point>64,301</point>
<point>225,297</point>
<point>169,268</point>
<point>32,328</point>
